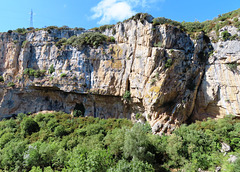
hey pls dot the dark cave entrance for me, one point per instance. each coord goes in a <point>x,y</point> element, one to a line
<point>128,85</point>
<point>79,110</point>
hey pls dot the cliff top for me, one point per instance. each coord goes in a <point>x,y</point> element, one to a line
<point>227,19</point>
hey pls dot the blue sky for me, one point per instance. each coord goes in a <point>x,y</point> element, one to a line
<point>92,13</point>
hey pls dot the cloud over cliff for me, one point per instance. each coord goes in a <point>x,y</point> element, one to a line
<point>118,10</point>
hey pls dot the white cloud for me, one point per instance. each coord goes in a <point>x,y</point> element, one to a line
<point>109,10</point>
<point>118,10</point>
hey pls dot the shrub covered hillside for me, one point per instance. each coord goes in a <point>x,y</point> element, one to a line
<point>58,142</point>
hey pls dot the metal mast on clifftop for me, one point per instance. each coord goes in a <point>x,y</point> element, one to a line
<point>31,19</point>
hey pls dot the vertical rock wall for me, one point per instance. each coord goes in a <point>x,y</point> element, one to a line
<point>170,77</point>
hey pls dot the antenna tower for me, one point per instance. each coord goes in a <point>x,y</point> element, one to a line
<point>31,19</point>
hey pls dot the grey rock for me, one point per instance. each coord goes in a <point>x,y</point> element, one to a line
<point>225,147</point>
<point>232,158</point>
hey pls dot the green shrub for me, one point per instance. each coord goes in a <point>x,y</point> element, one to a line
<point>21,30</point>
<point>51,69</point>
<point>138,116</point>
<point>61,42</point>
<point>21,116</point>
<point>63,75</point>
<point>10,84</point>
<point>163,20</point>
<point>1,79</point>
<point>5,138</point>
<point>236,165</point>
<point>111,39</point>
<point>139,16</point>
<point>232,66</point>
<point>159,44</point>
<point>35,73</point>
<point>64,27</point>
<point>137,146</point>
<point>104,27</point>
<point>135,165</point>
<point>29,126</point>
<point>59,131</point>
<point>192,26</point>
<point>89,38</point>
<point>49,28</point>
<point>114,31</point>
<point>9,31</point>
<point>234,37</point>
<point>93,39</point>
<point>24,44</point>
<point>168,63</point>
<point>39,73</point>
<point>79,110</point>
<point>225,35</point>
<point>127,96</point>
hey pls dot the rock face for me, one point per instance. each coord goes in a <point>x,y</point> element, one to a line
<point>171,77</point>
<point>219,92</point>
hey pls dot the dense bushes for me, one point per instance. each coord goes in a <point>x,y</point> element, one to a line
<point>163,20</point>
<point>35,73</point>
<point>29,126</point>
<point>11,84</point>
<point>21,30</point>
<point>193,26</point>
<point>59,142</point>
<point>93,39</point>
<point>216,24</point>
<point>225,35</point>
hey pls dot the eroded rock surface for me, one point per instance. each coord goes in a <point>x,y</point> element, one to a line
<point>170,76</point>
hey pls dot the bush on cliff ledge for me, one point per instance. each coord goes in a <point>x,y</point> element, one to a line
<point>1,79</point>
<point>93,39</point>
<point>35,73</point>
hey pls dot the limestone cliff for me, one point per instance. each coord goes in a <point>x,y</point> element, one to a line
<point>171,77</point>
<point>219,92</point>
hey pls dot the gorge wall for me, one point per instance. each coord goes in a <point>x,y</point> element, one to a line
<point>171,77</point>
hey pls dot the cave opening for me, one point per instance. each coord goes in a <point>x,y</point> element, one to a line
<point>79,110</point>
<point>128,85</point>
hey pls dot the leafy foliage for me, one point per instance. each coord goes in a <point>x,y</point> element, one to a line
<point>127,96</point>
<point>35,73</point>
<point>29,126</point>
<point>168,63</point>
<point>193,26</point>
<point>163,20</point>
<point>51,69</point>
<point>232,66</point>
<point>60,142</point>
<point>21,30</point>
<point>225,35</point>
<point>1,79</point>
<point>24,44</point>
<point>93,39</point>
<point>63,75</point>
<point>10,84</point>
<point>216,24</point>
